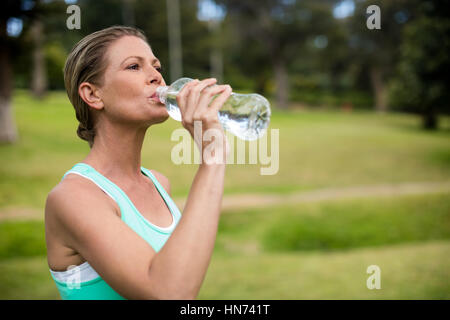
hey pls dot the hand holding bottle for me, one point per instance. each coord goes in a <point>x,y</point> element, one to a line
<point>245,115</point>
<point>197,101</point>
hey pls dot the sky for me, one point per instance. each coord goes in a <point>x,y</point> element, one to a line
<point>344,9</point>
<point>209,10</point>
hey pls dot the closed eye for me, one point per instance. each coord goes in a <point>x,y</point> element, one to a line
<point>159,69</point>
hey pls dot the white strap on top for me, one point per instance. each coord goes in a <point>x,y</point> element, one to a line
<point>81,273</point>
<point>98,185</point>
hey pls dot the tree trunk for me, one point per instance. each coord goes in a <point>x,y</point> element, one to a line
<point>175,47</point>
<point>8,132</point>
<point>216,58</point>
<point>281,83</point>
<point>430,119</point>
<point>39,72</point>
<point>379,88</point>
<point>261,82</point>
<point>128,13</point>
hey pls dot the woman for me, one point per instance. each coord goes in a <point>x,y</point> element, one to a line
<point>110,223</point>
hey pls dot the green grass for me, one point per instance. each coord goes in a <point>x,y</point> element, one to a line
<point>26,278</point>
<point>317,149</point>
<point>333,225</point>
<point>309,251</point>
<point>336,225</point>
<point>304,251</point>
<point>414,271</point>
<point>358,223</point>
<point>22,239</point>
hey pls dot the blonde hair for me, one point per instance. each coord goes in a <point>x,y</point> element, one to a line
<point>86,63</point>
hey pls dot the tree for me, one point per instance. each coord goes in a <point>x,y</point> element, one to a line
<point>151,17</point>
<point>39,71</point>
<point>377,50</point>
<point>423,76</point>
<point>128,12</point>
<point>175,51</point>
<point>30,14</point>
<point>8,131</point>
<point>282,30</point>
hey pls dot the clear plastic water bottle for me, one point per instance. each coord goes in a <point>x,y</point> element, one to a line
<point>245,115</point>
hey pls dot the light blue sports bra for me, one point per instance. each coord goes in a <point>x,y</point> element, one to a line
<point>86,284</point>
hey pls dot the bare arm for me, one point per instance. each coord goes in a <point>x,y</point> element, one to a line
<point>181,264</point>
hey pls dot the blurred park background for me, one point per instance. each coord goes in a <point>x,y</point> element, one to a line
<point>363,118</point>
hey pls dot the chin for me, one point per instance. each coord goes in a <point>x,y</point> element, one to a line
<point>158,117</point>
<point>162,119</point>
<point>155,113</point>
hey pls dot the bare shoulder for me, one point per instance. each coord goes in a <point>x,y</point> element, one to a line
<point>163,180</point>
<point>68,199</point>
<point>79,218</point>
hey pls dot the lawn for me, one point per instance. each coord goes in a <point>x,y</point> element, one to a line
<point>317,250</point>
<point>408,271</point>
<point>308,251</point>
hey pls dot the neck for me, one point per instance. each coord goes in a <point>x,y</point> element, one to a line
<point>116,152</point>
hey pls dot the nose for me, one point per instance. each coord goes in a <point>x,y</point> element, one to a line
<point>154,76</point>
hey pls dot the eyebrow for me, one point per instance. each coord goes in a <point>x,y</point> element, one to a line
<point>140,59</point>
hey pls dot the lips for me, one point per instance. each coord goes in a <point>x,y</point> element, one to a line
<point>154,97</point>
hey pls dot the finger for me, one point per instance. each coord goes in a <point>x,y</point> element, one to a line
<point>194,95</point>
<point>207,98</point>
<point>182,96</point>
<point>218,102</point>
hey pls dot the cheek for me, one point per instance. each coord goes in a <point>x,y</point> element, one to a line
<point>126,87</point>
<point>123,92</point>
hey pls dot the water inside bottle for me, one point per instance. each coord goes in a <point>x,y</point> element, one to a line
<point>246,116</point>
<point>172,106</point>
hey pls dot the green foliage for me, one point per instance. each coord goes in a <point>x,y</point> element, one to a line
<point>55,57</point>
<point>422,78</point>
<point>255,36</point>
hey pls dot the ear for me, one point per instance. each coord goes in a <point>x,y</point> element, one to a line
<point>90,94</point>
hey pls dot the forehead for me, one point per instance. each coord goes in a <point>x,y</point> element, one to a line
<point>128,46</point>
